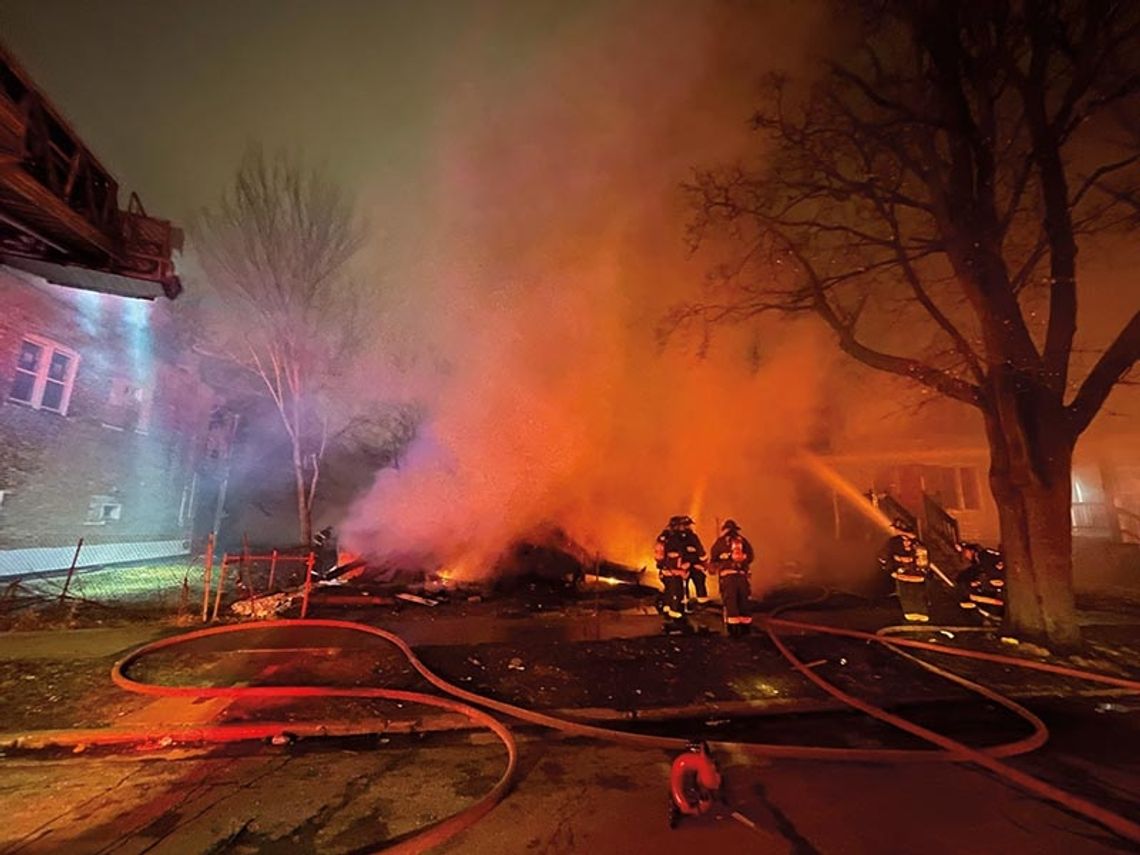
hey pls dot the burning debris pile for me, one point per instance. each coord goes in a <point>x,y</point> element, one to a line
<point>549,561</point>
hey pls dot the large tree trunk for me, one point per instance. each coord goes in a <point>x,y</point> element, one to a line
<point>1031,458</point>
<point>304,515</point>
<point>1037,540</point>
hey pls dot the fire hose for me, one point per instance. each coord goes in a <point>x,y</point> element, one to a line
<point>474,707</point>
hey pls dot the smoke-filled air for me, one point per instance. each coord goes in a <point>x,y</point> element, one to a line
<point>559,245</point>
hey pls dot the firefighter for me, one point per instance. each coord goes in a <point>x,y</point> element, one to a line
<point>731,561</point>
<point>981,585</point>
<point>908,564</point>
<point>694,555</point>
<point>324,545</point>
<point>669,554</point>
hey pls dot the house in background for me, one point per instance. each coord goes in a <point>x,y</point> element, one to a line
<point>104,420</point>
<point>940,478</point>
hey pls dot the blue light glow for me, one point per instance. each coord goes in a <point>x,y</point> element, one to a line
<point>90,305</point>
<point>136,315</point>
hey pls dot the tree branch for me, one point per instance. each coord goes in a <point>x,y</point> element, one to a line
<point>914,369</point>
<point>1109,370</point>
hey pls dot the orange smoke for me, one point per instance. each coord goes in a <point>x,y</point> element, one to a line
<point>558,245</point>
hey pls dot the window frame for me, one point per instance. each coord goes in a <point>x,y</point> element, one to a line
<point>50,348</point>
<point>123,389</point>
<point>103,501</point>
<point>954,473</point>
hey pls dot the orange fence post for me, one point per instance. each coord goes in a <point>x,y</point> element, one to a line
<point>207,575</point>
<point>308,583</point>
<point>272,569</point>
<point>71,570</point>
<point>221,584</point>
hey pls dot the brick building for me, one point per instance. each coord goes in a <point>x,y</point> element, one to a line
<point>104,425</point>
<point>106,428</point>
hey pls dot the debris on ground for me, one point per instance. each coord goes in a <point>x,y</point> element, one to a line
<point>420,601</point>
<point>1112,708</point>
<point>264,607</point>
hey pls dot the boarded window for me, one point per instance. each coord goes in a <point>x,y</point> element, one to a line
<point>128,406</point>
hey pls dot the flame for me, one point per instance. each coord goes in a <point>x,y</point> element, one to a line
<point>607,580</point>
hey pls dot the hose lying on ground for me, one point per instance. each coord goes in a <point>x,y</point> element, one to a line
<point>1116,823</point>
<point>951,750</point>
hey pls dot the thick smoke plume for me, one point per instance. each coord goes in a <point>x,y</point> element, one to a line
<point>558,247</point>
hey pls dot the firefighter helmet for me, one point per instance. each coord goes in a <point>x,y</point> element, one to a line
<point>686,520</point>
<point>730,525</point>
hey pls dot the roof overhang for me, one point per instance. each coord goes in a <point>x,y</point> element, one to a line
<point>87,279</point>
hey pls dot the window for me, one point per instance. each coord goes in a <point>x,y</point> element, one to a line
<point>955,488</point>
<point>128,406</point>
<point>971,494</point>
<point>44,376</point>
<point>940,483</point>
<point>103,509</point>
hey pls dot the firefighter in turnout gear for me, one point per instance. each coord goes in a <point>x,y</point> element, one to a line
<point>325,547</point>
<point>731,561</point>
<point>981,585</point>
<point>908,563</point>
<point>694,555</point>
<point>669,555</point>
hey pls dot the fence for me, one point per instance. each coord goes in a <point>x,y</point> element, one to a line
<point>137,584</point>
<point>95,582</point>
<point>256,579</point>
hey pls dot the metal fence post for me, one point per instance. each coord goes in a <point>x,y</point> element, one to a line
<point>221,584</point>
<point>308,583</point>
<point>208,573</point>
<point>71,570</point>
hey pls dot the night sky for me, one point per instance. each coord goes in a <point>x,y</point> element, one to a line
<point>168,94</point>
<point>506,150</point>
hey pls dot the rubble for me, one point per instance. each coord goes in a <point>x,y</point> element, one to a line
<point>412,598</point>
<point>264,607</point>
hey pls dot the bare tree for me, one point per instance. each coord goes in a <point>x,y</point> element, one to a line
<point>275,248</point>
<point>926,196</point>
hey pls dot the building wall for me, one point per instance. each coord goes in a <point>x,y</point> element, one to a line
<point>118,466</point>
<point>957,478</point>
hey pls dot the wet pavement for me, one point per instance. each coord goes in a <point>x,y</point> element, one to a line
<point>343,795</point>
<point>572,796</point>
